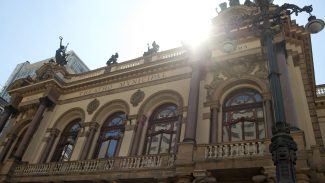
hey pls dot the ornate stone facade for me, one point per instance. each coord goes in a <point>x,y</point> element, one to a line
<point>173,116</point>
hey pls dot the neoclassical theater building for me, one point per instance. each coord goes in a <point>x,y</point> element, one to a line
<point>175,116</point>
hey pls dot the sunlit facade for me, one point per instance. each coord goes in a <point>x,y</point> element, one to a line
<point>179,115</point>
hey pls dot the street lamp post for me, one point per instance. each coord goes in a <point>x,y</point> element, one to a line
<point>282,147</point>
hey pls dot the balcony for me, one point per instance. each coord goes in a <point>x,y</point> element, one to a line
<point>96,165</point>
<point>320,90</point>
<point>220,156</point>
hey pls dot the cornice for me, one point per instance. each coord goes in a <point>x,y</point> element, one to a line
<point>116,76</point>
<point>133,87</point>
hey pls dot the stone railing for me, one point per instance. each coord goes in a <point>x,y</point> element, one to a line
<point>152,161</point>
<point>320,90</point>
<point>94,166</point>
<point>235,150</point>
<point>64,167</point>
<point>171,53</point>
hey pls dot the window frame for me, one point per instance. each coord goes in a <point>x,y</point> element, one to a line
<point>257,105</point>
<point>168,120</point>
<point>106,129</point>
<point>63,141</point>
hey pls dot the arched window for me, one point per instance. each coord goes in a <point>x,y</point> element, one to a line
<point>67,142</point>
<point>243,116</point>
<point>162,127</point>
<point>110,137</point>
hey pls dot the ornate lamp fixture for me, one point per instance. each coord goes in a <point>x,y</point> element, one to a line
<point>267,22</point>
<point>314,25</point>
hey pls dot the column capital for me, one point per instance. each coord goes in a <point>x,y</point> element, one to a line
<point>141,119</point>
<point>213,104</point>
<point>46,101</point>
<point>91,125</point>
<point>266,96</point>
<point>10,108</point>
<point>53,131</point>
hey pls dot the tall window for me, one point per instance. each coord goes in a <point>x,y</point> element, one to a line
<point>67,142</point>
<point>162,127</point>
<point>111,135</point>
<point>243,116</point>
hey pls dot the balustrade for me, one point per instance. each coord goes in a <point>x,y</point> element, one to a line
<point>56,168</point>
<point>98,165</point>
<point>235,150</point>
<point>320,90</point>
<point>172,54</point>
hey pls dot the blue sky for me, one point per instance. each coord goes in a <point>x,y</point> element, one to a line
<point>95,29</point>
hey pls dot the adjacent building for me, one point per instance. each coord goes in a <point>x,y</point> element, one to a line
<point>178,115</point>
<point>75,65</point>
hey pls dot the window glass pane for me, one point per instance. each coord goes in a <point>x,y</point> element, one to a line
<point>110,135</point>
<point>260,113</point>
<point>67,142</point>
<point>167,111</point>
<point>236,132</point>
<point>225,134</point>
<point>162,129</point>
<point>173,141</point>
<point>154,144</point>
<point>162,126</point>
<point>103,149</point>
<point>165,141</point>
<point>67,152</point>
<point>250,130</point>
<point>111,148</point>
<point>261,129</point>
<point>244,115</point>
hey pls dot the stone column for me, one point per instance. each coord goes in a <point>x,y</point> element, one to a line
<point>140,124</point>
<point>214,124</point>
<point>193,104</point>
<point>9,109</point>
<point>10,141</point>
<point>32,128</point>
<point>268,114</point>
<point>93,126</point>
<point>289,104</point>
<point>49,144</point>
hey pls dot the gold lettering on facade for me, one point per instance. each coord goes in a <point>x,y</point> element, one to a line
<point>126,83</point>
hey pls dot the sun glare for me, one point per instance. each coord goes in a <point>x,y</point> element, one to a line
<point>172,22</point>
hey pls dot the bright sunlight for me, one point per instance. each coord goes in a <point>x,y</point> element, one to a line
<point>171,22</point>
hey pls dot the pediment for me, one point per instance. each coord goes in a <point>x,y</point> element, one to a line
<point>49,70</point>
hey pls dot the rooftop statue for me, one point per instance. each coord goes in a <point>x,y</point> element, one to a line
<point>154,49</point>
<point>112,60</point>
<point>60,54</point>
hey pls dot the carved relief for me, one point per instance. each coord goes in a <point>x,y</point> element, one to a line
<point>137,97</point>
<point>49,70</point>
<point>236,69</point>
<point>92,106</point>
